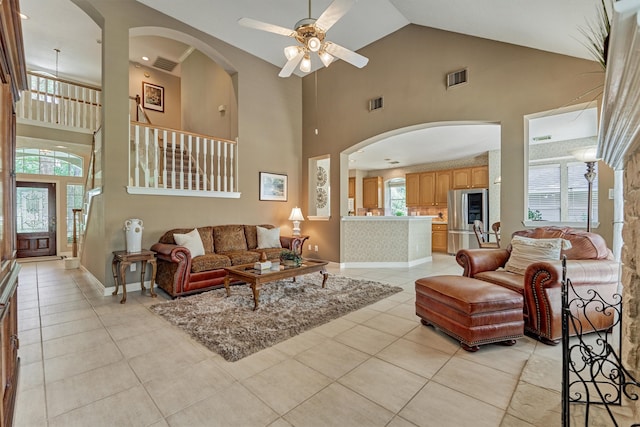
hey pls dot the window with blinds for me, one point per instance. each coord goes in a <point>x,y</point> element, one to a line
<point>544,193</point>
<point>578,193</point>
<point>558,192</point>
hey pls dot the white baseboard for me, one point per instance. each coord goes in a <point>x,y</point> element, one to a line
<point>407,264</point>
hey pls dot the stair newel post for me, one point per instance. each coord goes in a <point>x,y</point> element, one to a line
<point>75,233</point>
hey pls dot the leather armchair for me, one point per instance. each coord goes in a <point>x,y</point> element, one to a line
<point>590,267</point>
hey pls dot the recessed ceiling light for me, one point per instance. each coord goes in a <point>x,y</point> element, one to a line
<point>23,16</point>
<point>61,146</point>
<point>360,151</point>
<point>352,160</point>
<point>145,58</point>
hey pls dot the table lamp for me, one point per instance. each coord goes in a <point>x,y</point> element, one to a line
<point>296,217</point>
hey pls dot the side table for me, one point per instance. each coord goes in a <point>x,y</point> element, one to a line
<point>123,259</point>
<point>296,243</point>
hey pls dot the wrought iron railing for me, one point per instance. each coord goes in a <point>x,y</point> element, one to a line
<point>60,102</point>
<point>592,372</point>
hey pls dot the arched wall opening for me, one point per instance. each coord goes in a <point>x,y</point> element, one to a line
<point>426,147</point>
<point>199,95</point>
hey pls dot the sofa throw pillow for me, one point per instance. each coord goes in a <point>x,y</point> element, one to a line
<point>268,238</point>
<point>525,251</point>
<point>191,241</point>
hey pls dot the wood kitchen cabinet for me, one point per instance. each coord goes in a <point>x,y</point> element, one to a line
<point>352,187</point>
<point>412,189</point>
<point>439,238</point>
<point>427,188</point>
<point>475,177</point>
<point>443,184</point>
<point>372,193</point>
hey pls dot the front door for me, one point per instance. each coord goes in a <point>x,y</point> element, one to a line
<point>36,219</point>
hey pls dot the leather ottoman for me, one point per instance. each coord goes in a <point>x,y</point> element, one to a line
<point>472,311</point>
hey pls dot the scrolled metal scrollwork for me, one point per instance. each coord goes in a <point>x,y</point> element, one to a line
<point>592,371</point>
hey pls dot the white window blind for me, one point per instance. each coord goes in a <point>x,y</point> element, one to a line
<point>578,193</point>
<point>544,192</point>
<point>558,192</point>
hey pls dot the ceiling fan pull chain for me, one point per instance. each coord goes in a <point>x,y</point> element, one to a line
<point>309,9</point>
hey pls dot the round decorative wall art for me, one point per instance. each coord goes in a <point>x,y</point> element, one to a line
<point>321,197</point>
<point>321,177</point>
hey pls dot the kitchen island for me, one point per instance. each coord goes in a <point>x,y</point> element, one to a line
<point>385,241</point>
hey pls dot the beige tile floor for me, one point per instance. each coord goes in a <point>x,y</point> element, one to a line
<point>87,360</point>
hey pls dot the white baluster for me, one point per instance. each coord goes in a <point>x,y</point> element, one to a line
<point>136,157</point>
<point>204,164</point>
<point>218,171</point>
<point>182,161</point>
<point>231,171</point>
<point>211,182</point>
<point>173,160</point>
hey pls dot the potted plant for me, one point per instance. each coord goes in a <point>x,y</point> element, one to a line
<point>290,258</point>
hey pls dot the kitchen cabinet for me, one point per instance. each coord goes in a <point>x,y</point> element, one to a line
<point>372,193</point>
<point>475,177</point>
<point>352,195</point>
<point>352,187</point>
<point>443,184</point>
<point>427,188</point>
<point>412,189</point>
<point>439,238</point>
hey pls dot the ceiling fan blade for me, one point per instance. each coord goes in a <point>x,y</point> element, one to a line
<point>347,55</point>
<point>291,65</point>
<point>335,11</point>
<point>259,25</point>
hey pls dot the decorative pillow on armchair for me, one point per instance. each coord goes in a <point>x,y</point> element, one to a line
<point>268,238</point>
<point>525,251</point>
<point>191,241</point>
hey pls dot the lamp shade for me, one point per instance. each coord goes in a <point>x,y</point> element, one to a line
<point>586,154</point>
<point>296,215</point>
<point>305,64</point>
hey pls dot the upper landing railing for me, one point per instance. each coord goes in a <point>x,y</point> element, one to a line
<point>58,102</point>
<point>166,161</point>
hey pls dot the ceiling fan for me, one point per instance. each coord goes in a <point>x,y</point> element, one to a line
<point>311,36</point>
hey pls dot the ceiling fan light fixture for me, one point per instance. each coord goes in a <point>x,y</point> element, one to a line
<point>313,43</point>
<point>305,64</point>
<point>291,51</point>
<point>325,57</point>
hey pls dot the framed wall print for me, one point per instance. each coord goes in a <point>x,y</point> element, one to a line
<point>273,186</point>
<point>152,97</point>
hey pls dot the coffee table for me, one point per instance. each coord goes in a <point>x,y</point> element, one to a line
<point>256,278</point>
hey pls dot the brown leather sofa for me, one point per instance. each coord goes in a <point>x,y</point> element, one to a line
<point>225,245</point>
<point>590,266</point>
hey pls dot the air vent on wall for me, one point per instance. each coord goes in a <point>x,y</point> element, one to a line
<point>375,103</point>
<point>456,78</point>
<point>165,64</point>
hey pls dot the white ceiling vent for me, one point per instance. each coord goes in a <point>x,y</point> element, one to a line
<point>456,78</point>
<point>376,103</point>
<point>165,64</point>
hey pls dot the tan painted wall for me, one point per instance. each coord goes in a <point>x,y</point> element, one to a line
<point>205,87</point>
<point>408,68</point>
<point>171,117</point>
<point>269,128</point>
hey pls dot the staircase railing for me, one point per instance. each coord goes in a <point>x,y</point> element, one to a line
<point>169,161</point>
<point>60,102</point>
<point>92,187</point>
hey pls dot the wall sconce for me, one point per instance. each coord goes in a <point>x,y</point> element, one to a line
<point>296,217</point>
<point>498,180</point>
<point>589,156</point>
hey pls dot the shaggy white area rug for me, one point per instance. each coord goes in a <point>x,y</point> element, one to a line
<point>231,328</point>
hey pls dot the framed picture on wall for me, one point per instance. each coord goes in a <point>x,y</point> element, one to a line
<point>152,97</point>
<point>273,186</point>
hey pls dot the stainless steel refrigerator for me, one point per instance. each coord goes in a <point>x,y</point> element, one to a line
<point>466,206</point>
